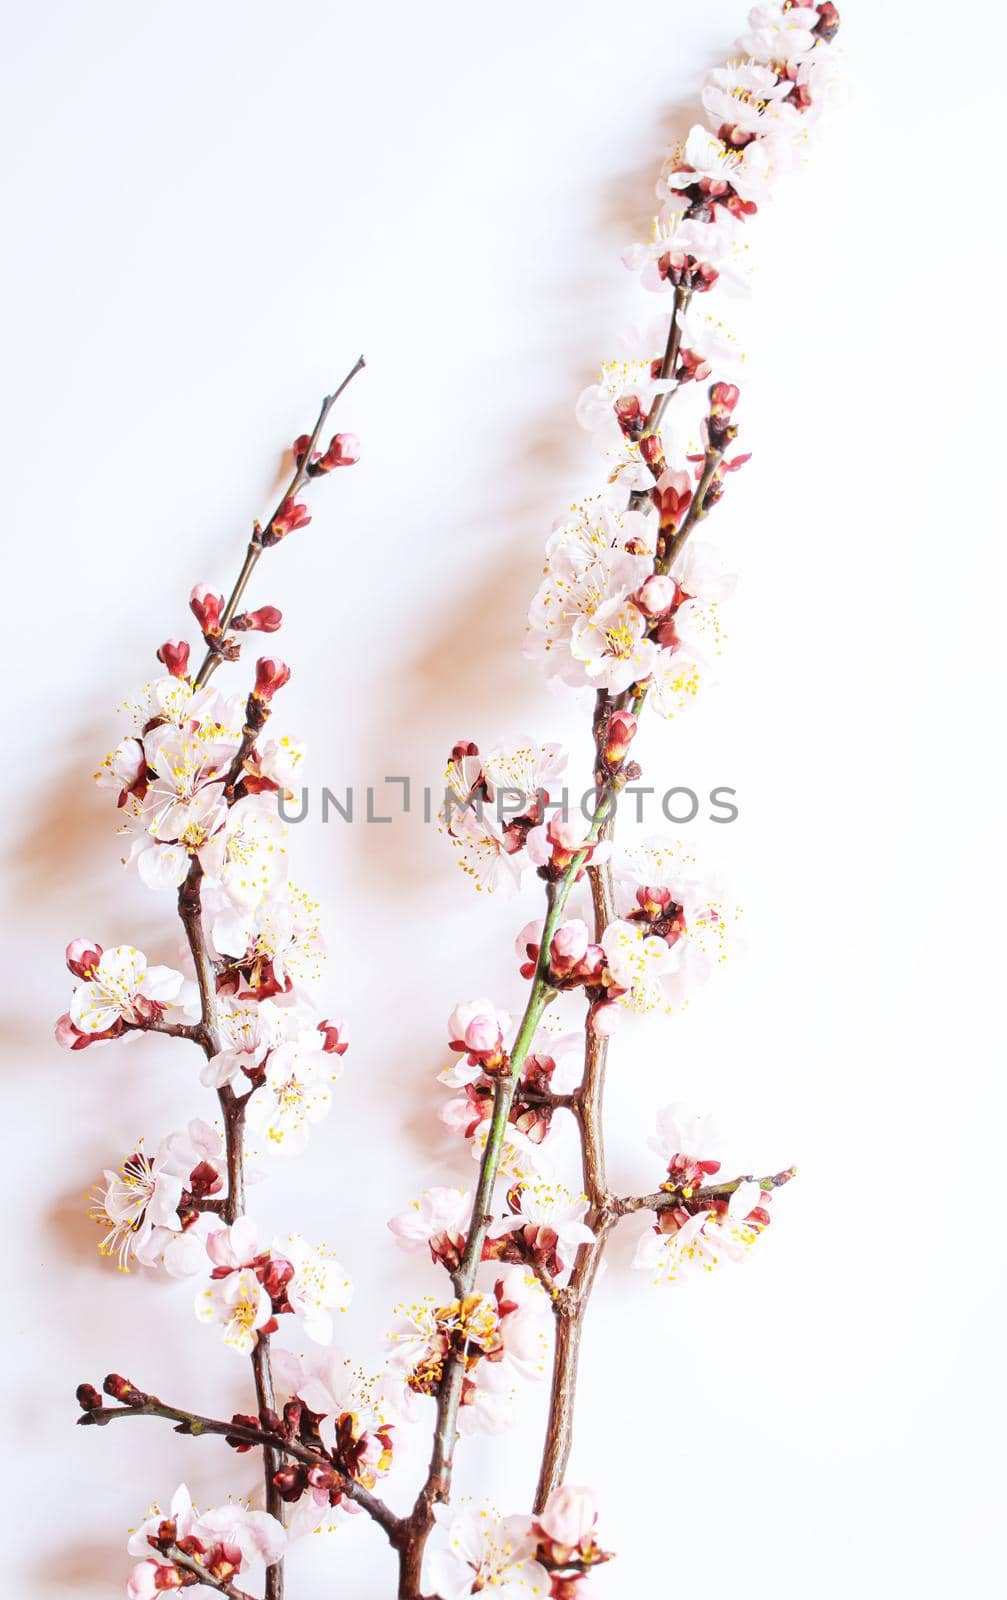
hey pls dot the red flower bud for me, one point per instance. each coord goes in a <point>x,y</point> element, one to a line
<point>291,515</point>
<point>619,735</point>
<point>206,607</point>
<point>242,1421</point>
<point>724,398</point>
<point>289,1482</point>
<point>266,620</point>
<point>827,25</point>
<point>300,447</point>
<point>343,451</point>
<point>82,957</point>
<point>652,451</point>
<point>88,1397</point>
<point>275,1276</point>
<point>334,1034</point>
<point>122,1390</point>
<point>270,675</point>
<point>175,655</point>
<point>672,497</point>
<point>321,1477</point>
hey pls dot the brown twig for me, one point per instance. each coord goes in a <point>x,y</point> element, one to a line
<point>191,1423</point>
<point>664,1199</point>
<point>255,544</point>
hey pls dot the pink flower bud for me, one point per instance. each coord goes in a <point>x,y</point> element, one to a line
<point>270,675</point>
<point>266,620</point>
<point>82,957</point>
<point>175,655</point>
<point>476,1028</point>
<point>569,946</point>
<point>655,597</point>
<point>482,1035</point>
<point>343,451</point>
<point>604,1018</point>
<point>569,1515</point>
<point>68,1036</point>
<point>206,607</point>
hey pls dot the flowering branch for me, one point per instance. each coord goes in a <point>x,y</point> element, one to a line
<point>628,611</point>
<point>239,1430</point>
<point>200,796</point>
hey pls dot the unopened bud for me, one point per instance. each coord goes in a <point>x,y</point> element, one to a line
<point>242,1421</point>
<point>289,1482</point>
<point>620,733</point>
<point>343,451</point>
<point>82,957</point>
<point>122,1390</point>
<point>652,451</point>
<point>270,675</point>
<point>88,1397</point>
<point>175,655</point>
<point>170,1578</point>
<point>827,25</point>
<point>291,515</point>
<point>724,396</point>
<point>568,947</point>
<point>321,1477</point>
<point>672,497</point>
<point>207,608</point>
<point>275,1277</point>
<point>656,597</point>
<point>266,620</point>
<point>334,1036</point>
<point>604,1018</point>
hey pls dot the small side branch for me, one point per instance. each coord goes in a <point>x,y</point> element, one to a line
<point>191,1423</point>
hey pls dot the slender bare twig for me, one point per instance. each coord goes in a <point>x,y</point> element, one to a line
<point>255,544</point>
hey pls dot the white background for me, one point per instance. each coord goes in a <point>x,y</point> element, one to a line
<point>209,211</point>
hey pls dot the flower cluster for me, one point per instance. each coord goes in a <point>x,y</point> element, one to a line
<point>251,1285</point>
<point>154,1207</point>
<point>342,1415</point>
<point>499,1337</point>
<point>226,1543</point>
<point>550,1555</point>
<point>698,1228</point>
<point>547,1069</point>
